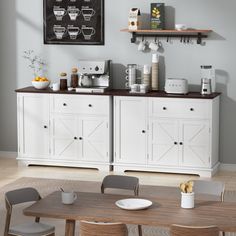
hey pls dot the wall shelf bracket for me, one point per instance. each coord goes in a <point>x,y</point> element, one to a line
<point>183,37</point>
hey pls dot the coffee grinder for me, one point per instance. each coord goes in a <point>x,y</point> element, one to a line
<point>206,79</point>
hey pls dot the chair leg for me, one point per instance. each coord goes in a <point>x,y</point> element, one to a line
<point>223,233</point>
<point>140,233</point>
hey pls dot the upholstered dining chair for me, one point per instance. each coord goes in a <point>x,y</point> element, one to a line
<point>211,188</point>
<point>181,230</point>
<point>122,182</point>
<point>214,188</point>
<point>35,228</point>
<point>102,229</point>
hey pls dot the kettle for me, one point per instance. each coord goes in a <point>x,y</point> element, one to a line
<point>85,80</point>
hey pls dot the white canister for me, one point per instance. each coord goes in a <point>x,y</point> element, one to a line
<point>187,200</point>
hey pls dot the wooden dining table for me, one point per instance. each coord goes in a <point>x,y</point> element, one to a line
<point>163,213</point>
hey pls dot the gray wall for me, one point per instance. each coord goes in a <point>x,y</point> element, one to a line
<point>22,29</point>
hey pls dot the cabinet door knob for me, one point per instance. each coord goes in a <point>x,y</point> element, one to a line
<point>175,143</point>
<point>45,127</point>
<point>80,138</point>
<point>90,105</point>
<point>75,138</point>
<point>180,143</point>
<point>143,131</point>
<point>164,108</point>
<point>191,109</point>
<point>64,104</point>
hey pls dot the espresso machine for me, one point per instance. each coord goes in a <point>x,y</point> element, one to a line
<point>95,76</point>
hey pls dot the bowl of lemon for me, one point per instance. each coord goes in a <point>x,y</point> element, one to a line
<point>40,82</point>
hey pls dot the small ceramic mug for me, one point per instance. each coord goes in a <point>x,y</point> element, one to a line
<point>142,46</point>
<point>55,87</point>
<point>68,197</point>
<point>153,46</point>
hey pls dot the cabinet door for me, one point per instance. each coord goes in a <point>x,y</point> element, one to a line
<point>94,139</point>
<point>195,140</point>
<point>64,137</point>
<point>163,142</point>
<point>130,130</point>
<point>34,125</point>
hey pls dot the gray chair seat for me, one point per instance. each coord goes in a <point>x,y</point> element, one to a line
<point>32,229</point>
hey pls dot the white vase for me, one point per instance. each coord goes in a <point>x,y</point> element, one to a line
<point>187,200</point>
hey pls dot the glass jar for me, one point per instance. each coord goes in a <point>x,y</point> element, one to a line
<point>74,82</point>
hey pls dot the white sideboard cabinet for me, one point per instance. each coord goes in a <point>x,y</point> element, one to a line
<point>177,135</point>
<point>65,130</point>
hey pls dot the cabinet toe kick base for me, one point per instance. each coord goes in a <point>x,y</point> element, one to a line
<point>202,172</point>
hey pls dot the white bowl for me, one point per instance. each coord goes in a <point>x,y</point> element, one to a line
<point>40,84</point>
<point>180,27</point>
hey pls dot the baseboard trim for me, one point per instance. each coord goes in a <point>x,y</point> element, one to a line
<point>228,167</point>
<point>4,154</point>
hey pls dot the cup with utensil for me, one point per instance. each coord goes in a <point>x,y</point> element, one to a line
<point>68,198</point>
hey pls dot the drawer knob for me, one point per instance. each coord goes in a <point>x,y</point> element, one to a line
<point>191,109</point>
<point>64,104</point>
<point>75,138</point>
<point>80,138</point>
<point>164,108</point>
<point>180,143</point>
<point>175,143</point>
<point>143,131</point>
<point>90,105</point>
<point>45,127</point>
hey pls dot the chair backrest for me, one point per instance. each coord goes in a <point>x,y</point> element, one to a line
<point>121,182</point>
<point>102,229</point>
<point>181,230</point>
<point>16,197</point>
<point>209,187</point>
<point>22,195</point>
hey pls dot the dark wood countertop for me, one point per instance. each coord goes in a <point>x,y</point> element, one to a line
<point>122,92</point>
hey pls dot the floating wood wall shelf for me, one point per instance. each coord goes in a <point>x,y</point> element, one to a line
<point>182,34</point>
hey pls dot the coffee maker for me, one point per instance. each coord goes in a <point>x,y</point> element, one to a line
<point>95,76</point>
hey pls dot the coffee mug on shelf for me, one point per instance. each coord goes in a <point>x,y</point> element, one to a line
<point>68,197</point>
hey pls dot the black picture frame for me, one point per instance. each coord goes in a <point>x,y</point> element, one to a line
<point>73,22</point>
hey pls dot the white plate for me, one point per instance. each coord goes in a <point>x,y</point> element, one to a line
<point>133,204</point>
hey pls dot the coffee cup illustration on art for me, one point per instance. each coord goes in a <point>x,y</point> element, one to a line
<point>87,13</point>
<point>59,12</point>
<point>59,31</point>
<point>73,31</point>
<point>73,12</point>
<point>87,32</point>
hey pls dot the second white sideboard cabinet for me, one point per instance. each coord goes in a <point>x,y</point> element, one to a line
<point>65,130</point>
<point>176,135</point>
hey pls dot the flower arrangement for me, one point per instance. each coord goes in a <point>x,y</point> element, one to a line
<point>36,63</point>
<point>186,187</point>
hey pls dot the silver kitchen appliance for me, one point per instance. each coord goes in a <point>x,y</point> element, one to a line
<point>206,86</point>
<point>95,76</point>
<point>206,79</point>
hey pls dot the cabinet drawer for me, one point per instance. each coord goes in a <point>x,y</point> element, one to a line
<point>81,104</point>
<point>184,108</point>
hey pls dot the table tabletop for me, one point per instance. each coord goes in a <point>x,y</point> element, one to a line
<point>164,212</point>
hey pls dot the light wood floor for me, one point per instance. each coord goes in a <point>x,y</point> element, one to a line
<point>10,171</point>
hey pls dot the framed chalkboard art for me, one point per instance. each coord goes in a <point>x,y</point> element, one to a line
<point>79,22</point>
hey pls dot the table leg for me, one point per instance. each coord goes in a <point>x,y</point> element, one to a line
<point>70,228</point>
